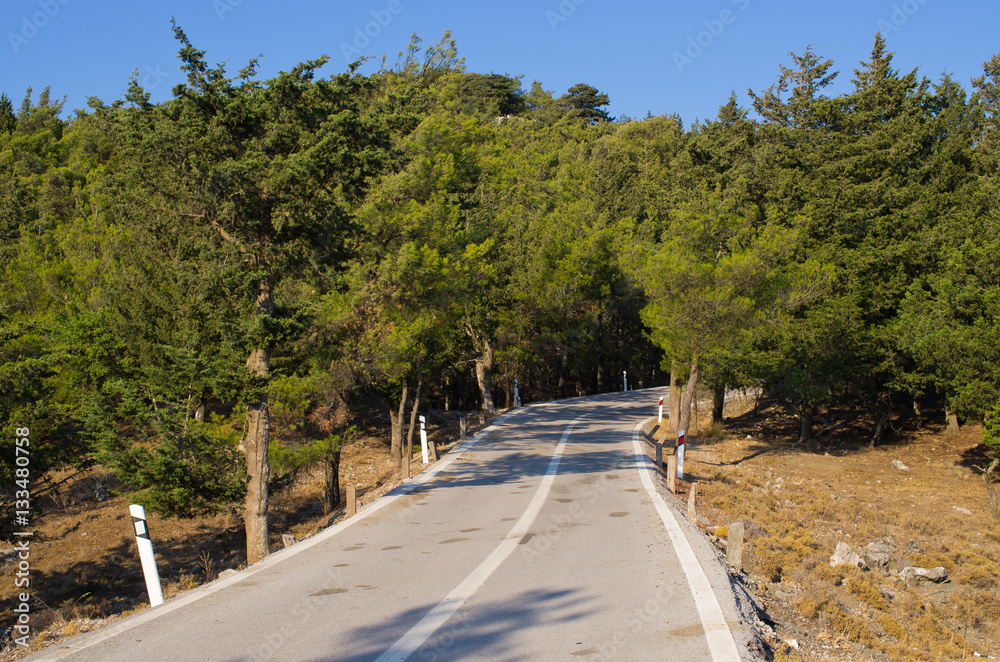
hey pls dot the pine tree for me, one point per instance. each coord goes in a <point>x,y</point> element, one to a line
<point>585,104</point>
<point>263,173</point>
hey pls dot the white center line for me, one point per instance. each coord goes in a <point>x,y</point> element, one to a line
<point>429,624</point>
<point>721,644</point>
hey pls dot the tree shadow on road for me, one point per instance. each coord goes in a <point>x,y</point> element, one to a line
<point>485,631</point>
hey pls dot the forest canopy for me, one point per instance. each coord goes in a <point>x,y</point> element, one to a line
<point>204,294</point>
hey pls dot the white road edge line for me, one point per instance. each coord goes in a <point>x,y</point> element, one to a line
<point>61,650</point>
<point>721,643</point>
<point>429,624</point>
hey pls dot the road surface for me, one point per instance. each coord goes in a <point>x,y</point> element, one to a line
<point>543,538</point>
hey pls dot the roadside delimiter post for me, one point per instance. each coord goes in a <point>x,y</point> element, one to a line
<point>145,544</point>
<point>423,441</point>
<point>680,454</point>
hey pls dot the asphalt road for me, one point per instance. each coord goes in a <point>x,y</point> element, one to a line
<point>540,539</point>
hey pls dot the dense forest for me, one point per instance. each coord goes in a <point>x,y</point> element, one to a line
<point>204,294</point>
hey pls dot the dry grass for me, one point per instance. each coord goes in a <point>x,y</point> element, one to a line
<point>798,502</point>
<point>85,569</point>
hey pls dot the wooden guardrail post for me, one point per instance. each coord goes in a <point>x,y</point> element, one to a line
<point>352,500</point>
<point>734,545</point>
<point>692,499</point>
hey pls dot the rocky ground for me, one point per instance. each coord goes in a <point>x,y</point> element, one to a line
<point>85,571</point>
<point>917,577</point>
<point>915,501</point>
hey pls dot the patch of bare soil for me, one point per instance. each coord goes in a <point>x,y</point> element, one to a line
<point>85,571</point>
<point>917,500</point>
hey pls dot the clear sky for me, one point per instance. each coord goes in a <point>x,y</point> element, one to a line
<point>659,57</point>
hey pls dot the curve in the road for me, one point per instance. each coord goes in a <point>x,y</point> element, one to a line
<point>429,624</point>
<point>720,638</point>
<point>597,573</point>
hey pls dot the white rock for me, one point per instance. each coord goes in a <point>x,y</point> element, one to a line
<point>844,555</point>
<point>938,574</point>
<point>964,511</point>
<point>896,464</point>
<point>879,553</point>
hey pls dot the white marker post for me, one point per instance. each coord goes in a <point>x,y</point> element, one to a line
<point>624,381</point>
<point>680,454</point>
<point>146,555</point>
<point>423,441</point>
<point>659,417</point>
<point>517,395</point>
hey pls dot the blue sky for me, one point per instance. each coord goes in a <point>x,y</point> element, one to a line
<point>658,57</point>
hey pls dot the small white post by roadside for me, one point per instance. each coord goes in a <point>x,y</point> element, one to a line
<point>145,544</point>
<point>659,418</point>
<point>624,380</point>
<point>423,441</point>
<point>517,395</point>
<point>680,454</point>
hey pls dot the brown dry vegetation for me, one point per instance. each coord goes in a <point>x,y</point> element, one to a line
<point>797,502</point>
<point>85,571</point>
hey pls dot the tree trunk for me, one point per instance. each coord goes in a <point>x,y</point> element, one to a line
<point>676,387</point>
<point>416,407</point>
<point>396,449</point>
<point>952,420</point>
<point>806,415</point>
<point>255,444</point>
<point>992,490</point>
<point>484,375</point>
<point>688,397</point>
<point>718,404</point>
<point>916,411</point>
<point>563,363</point>
<point>331,486</point>
<point>883,416</point>
<point>600,353</point>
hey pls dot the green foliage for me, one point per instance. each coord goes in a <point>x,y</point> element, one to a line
<point>8,121</point>
<point>287,462</point>
<point>494,95</point>
<point>188,472</point>
<point>991,430</point>
<point>838,248</point>
<point>585,104</point>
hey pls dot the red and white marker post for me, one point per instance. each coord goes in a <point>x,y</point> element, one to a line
<point>659,418</point>
<point>680,454</point>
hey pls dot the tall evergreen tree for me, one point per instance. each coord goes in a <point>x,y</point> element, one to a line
<point>8,120</point>
<point>264,172</point>
<point>586,103</point>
